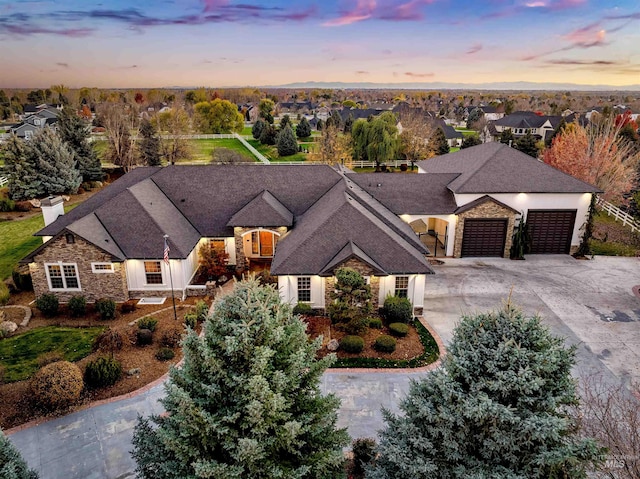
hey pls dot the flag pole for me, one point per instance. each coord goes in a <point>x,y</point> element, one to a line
<point>168,263</point>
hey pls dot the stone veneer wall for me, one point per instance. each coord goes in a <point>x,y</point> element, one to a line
<point>364,270</point>
<point>488,209</point>
<point>82,253</point>
<point>241,259</point>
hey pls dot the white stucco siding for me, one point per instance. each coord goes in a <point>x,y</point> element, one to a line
<point>541,201</point>
<point>288,287</point>
<point>415,291</point>
<point>137,279</point>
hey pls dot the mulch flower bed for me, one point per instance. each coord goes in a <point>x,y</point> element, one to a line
<point>15,397</point>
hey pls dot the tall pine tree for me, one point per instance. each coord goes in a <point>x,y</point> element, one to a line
<point>303,129</point>
<point>440,145</point>
<point>12,465</point>
<point>55,163</point>
<point>286,142</point>
<point>74,132</point>
<point>150,144</point>
<point>499,408</point>
<point>22,170</point>
<point>246,403</point>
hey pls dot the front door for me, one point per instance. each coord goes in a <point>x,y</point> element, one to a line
<point>266,243</point>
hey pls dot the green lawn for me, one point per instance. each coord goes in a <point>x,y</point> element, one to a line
<point>453,149</point>
<point>246,131</point>
<point>271,153</point>
<point>202,148</point>
<point>17,241</point>
<point>466,132</point>
<point>19,354</point>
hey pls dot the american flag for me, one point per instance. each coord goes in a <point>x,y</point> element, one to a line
<point>166,251</point>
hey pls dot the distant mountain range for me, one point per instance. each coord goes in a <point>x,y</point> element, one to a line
<point>522,85</point>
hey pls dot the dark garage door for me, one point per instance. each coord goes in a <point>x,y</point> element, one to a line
<point>484,237</point>
<point>551,230</point>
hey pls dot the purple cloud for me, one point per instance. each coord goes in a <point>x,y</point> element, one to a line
<point>371,9</point>
<point>475,48</point>
<point>63,65</point>
<point>419,75</point>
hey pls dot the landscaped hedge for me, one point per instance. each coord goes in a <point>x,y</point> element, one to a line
<point>103,371</point>
<point>431,354</point>
<point>399,329</point>
<point>352,344</point>
<point>385,344</point>
<point>56,385</point>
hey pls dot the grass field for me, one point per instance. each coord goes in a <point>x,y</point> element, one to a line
<point>202,149</point>
<point>19,354</point>
<point>271,153</point>
<point>17,241</point>
<point>466,132</point>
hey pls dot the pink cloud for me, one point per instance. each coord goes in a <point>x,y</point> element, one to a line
<point>475,48</point>
<point>211,5</point>
<point>362,11</point>
<point>419,75</point>
<point>555,4</point>
<point>407,11</point>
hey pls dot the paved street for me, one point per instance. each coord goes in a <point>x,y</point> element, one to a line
<point>588,302</point>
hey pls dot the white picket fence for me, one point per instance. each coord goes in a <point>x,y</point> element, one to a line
<point>618,214</point>
<point>3,181</point>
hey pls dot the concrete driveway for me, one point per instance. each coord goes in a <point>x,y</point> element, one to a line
<point>589,302</point>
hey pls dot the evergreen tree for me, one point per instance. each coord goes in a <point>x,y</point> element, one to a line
<point>269,135</point>
<point>440,145</point>
<point>348,123</point>
<point>286,121</point>
<point>150,144</point>
<point>12,465</point>
<point>303,130</point>
<point>527,144</point>
<point>506,137</point>
<point>319,124</point>
<point>334,120</point>
<point>499,408</point>
<point>246,403</point>
<point>56,165</point>
<point>286,142</point>
<point>256,129</point>
<point>469,141</point>
<point>74,132</point>
<point>22,170</point>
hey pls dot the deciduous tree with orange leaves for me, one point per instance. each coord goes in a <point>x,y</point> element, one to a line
<point>598,155</point>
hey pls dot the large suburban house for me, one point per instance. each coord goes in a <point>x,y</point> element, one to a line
<point>304,222</point>
<point>45,116</point>
<point>522,122</point>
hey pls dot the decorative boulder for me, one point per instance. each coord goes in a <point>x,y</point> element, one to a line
<point>7,328</point>
<point>333,345</point>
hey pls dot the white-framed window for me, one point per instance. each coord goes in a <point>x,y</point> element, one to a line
<point>304,289</point>
<point>153,272</point>
<point>102,267</point>
<point>28,134</point>
<point>63,276</point>
<point>402,286</point>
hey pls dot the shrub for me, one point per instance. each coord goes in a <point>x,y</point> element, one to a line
<point>109,341</point>
<point>213,261</point>
<point>4,293</point>
<point>202,310</point>
<point>22,279</point>
<point>357,326</point>
<point>7,205</point>
<point>352,297</point>
<point>49,358</point>
<point>397,310</point>
<point>103,371</point>
<point>385,344</point>
<point>128,306</point>
<point>399,329</point>
<point>77,306</point>
<point>57,385</point>
<point>106,308</point>
<point>144,337</point>
<point>364,452</point>
<point>165,354</point>
<point>171,338</point>
<point>375,323</point>
<point>191,320</point>
<point>148,323</point>
<point>302,309</point>
<point>48,304</point>
<point>23,206</point>
<point>352,344</point>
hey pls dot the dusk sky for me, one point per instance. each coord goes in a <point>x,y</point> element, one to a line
<point>259,42</point>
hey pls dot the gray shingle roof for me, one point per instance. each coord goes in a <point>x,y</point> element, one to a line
<point>350,250</point>
<point>337,219</point>
<point>410,194</point>
<point>497,168</point>
<point>263,210</point>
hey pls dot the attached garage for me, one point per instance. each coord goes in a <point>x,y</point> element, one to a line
<point>484,237</point>
<point>551,230</point>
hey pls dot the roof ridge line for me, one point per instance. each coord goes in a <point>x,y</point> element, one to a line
<point>174,205</point>
<point>502,145</point>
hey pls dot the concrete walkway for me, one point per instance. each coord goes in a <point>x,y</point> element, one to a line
<point>591,303</point>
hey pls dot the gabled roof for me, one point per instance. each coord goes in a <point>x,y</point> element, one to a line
<point>482,200</point>
<point>490,168</point>
<point>410,194</point>
<point>350,251</point>
<point>263,210</point>
<point>338,218</point>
